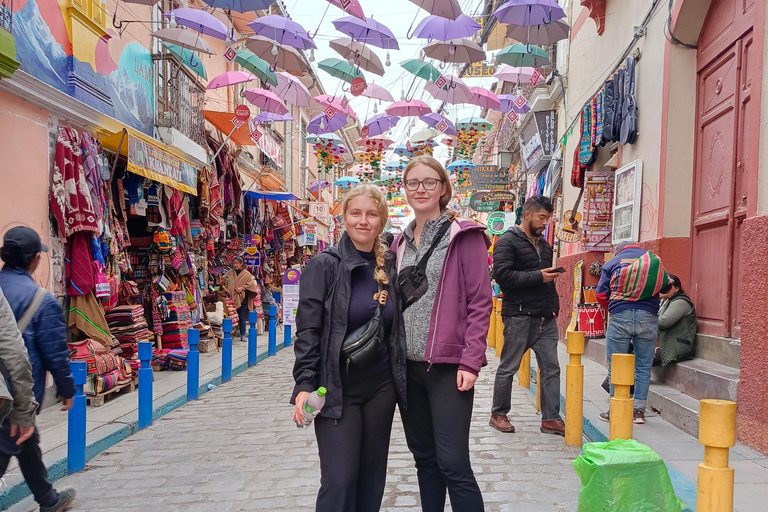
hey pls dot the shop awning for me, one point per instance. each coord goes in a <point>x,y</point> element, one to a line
<point>154,160</point>
<point>273,196</point>
<point>223,122</point>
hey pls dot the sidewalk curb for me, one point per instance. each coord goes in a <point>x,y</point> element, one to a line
<point>57,470</point>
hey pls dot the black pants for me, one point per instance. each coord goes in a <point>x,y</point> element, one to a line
<point>354,448</point>
<point>30,462</point>
<point>242,315</point>
<point>437,431</point>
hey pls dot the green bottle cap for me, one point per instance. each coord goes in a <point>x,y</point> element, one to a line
<point>321,391</point>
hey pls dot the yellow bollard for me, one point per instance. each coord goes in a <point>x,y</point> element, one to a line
<point>499,329</point>
<point>622,377</point>
<point>717,432</point>
<point>538,387</point>
<point>574,390</point>
<point>524,373</point>
<point>492,327</point>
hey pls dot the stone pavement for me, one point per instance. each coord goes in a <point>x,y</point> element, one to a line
<point>237,449</point>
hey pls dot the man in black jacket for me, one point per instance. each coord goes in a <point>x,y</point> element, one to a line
<point>522,267</point>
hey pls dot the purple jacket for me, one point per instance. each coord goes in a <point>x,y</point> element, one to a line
<point>462,312</point>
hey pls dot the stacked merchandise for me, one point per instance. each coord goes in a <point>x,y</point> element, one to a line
<point>105,370</point>
<point>128,325</point>
<point>177,359</point>
<point>231,312</point>
<point>178,322</point>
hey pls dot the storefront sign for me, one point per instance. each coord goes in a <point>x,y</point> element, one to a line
<point>497,223</point>
<point>479,204</point>
<point>538,140</point>
<point>291,280</point>
<point>154,163</point>
<point>501,195</point>
<point>358,86</point>
<point>480,70</point>
<point>242,112</point>
<point>486,177</point>
<point>252,257</point>
<point>319,210</point>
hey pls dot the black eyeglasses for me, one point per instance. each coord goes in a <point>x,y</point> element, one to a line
<point>427,183</point>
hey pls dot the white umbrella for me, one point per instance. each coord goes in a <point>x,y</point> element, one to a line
<point>292,90</point>
<point>184,38</point>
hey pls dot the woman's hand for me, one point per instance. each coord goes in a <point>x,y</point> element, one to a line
<point>465,380</point>
<point>239,289</point>
<point>298,409</point>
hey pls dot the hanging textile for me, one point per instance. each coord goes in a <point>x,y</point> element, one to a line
<point>87,316</point>
<point>70,196</point>
<point>78,266</point>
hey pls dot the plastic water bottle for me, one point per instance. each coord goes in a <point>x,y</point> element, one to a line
<point>313,406</point>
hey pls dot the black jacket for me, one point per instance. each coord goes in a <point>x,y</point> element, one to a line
<point>516,269</point>
<point>321,323</point>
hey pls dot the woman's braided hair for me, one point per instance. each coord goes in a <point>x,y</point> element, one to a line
<point>375,195</point>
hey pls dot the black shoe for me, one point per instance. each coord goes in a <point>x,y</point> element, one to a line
<point>639,417</point>
<point>65,499</point>
<point>605,416</point>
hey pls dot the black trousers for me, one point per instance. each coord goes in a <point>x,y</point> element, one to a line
<point>30,462</point>
<point>354,448</point>
<point>242,315</point>
<point>437,431</point>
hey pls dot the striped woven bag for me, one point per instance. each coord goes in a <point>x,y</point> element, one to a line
<point>639,278</point>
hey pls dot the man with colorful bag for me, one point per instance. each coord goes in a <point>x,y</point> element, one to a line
<point>629,288</point>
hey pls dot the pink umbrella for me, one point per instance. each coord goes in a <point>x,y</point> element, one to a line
<point>484,98</point>
<point>354,8</point>
<point>377,92</point>
<point>335,103</point>
<point>412,108</point>
<point>230,78</point>
<point>265,100</point>
<point>292,90</point>
<point>454,92</point>
<point>379,142</point>
<point>513,74</point>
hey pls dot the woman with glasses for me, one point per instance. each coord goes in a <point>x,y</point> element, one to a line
<point>446,319</point>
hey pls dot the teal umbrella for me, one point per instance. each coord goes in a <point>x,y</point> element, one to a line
<point>340,69</point>
<point>518,55</point>
<point>256,65</point>
<point>188,58</point>
<point>423,70</point>
<point>473,124</point>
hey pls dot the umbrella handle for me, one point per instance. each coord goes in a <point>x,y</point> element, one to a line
<point>544,21</point>
<point>312,36</point>
<point>273,66</point>
<point>528,47</point>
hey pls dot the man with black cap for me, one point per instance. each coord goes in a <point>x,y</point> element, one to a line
<point>45,337</point>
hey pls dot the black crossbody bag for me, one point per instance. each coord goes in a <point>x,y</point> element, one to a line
<point>413,279</point>
<point>361,346</point>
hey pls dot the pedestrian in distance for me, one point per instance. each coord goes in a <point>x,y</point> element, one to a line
<point>629,288</point>
<point>240,284</point>
<point>677,323</point>
<point>45,338</point>
<point>343,291</point>
<point>522,267</point>
<point>446,293</point>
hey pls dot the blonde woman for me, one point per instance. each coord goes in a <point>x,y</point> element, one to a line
<point>339,293</point>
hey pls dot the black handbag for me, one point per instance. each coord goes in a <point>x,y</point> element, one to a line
<point>413,280</point>
<point>361,346</point>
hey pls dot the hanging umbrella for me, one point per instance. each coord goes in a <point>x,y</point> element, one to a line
<point>423,70</point>
<point>283,31</point>
<point>353,7</point>
<point>335,103</point>
<point>521,110</point>
<point>393,167</point>
<point>229,78</point>
<point>454,93</point>
<point>184,38</point>
<point>513,74</point>
<point>543,35</point>
<point>367,31</point>
<point>455,51</point>
<point>443,29</point>
<point>271,117</point>
<point>318,185</point>
<point>518,55</point>
<point>484,98</point>
<point>347,182</point>
<point>377,92</point>
<point>529,12</point>
<point>434,119</point>
<point>412,108</point>
<point>460,165</point>
<point>265,100</point>
<point>258,66</point>
<point>321,123</point>
<point>424,135</point>
<point>474,124</point>
<point>402,150</point>
<point>360,54</point>
<point>380,124</point>
<point>240,5</point>
<point>324,139</point>
<point>290,89</point>
<point>287,58</point>
<point>378,142</point>
<point>445,8</point>
<point>199,21</point>
<point>341,69</point>
<point>188,58</point>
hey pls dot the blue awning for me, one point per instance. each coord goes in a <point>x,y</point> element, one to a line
<point>274,196</point>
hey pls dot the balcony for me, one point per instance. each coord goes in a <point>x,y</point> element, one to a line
<point>179,99</point>
<point>8,62</point>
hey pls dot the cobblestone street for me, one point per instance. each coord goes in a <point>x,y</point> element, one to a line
<point>236,449</point>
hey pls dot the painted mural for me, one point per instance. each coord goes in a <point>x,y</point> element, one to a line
<point>105,73</point>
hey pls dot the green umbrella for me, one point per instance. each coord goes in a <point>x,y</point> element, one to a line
<point>518,55</point>
<point>259,67</point>
<point>340,69</point>
<point>188,58</point>
<point>423,70</point>
<point>473,124</point>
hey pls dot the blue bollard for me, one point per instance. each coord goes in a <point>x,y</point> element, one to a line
<point>193,364</point>
<point>226,351</point>
<point>252,336</point>
<point>145,384</point>
<point>76,422</point>
<point>287,337</point>
<point>272,330</point>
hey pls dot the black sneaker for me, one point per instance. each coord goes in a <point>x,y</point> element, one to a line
<point>639,417</point>
<point>66,497</point>
<point>605,416</point>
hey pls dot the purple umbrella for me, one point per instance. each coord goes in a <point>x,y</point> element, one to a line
<point>443,29</point>
<point>434,119</point>
<point>508,103</point>
<point>369,32</point>
<point>271,117</point>
<point>283,31</point>
<point>199,21</point>
<point>380,124</point>
<point>321,123</point>
<point>240,5</point>
<point>529,12</point>
<point>318,185</point>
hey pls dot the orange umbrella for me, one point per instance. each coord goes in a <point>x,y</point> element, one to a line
<point>223,121</point>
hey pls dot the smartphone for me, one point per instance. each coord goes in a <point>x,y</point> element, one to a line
<point>560,269</point>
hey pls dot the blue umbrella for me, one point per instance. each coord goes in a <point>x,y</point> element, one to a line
<point>461,165</point>
<point>240,5</point>
<point>347,182</point>
<point>396,166</point>
<point>402,150</point>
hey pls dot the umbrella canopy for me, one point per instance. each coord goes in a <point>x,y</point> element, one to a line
<point>543,35</point>
<point>434,119</point>
<point>271,117</point>
<point>256,65</point>
<point>381,123</point>
<point>229,78</point>
<point>335,103</point>
<point>444,29</point>
<point>240,5</point>
<point>474,124</point>
<point>458,50</point>
<point>354,8</point>
<point>200,21</point>
<point>445,8</point>
<point>518,55</point>
<point>340,69</point>
<point>514,74</point>
<point>367,31</point>
<point>507,103</point>
<point>324,139</point>
<point>461,165</point>
<point>402,150</point>
<point>454,93</point>
<point>378,142</point>
<point>377,92</point>
<point>529,12</point>
<point>412,108</point>
<point>283,31</point>
<point>287,58</point>
<point>393,167</point>
<point>290,89</point>
<point>347,181</point>
<point>223,121</point>
<point>321,124</point>
<point>265,100</point>
<point>188,58</point>
<point>423,70</point>
<point>484,98</point>
<point>184,38</point>
<point>361,54</point>
<point>318,185</point>
<point>424,135</point>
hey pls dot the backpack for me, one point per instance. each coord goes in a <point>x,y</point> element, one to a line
<point>629,106</point>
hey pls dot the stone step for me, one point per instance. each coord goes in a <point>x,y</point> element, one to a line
<point>675,407</point>
<point>699,378</point>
